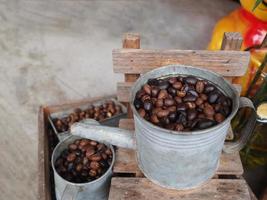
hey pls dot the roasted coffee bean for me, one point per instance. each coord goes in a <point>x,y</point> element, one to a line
<point>73,147</point>
<point>163,113</point>
<point>138,104</point>
<point>95,157</point>
<point>219,117</point>
<point>71,157</point>
<point>173,116</point>
<point>190,105</point>
<point>189,98</point>
<point>191,114</point>
<point>181,107</point>
<point>154,119</point>
<point>172,108</point>
<point>148,105</point>
<point>94,165</point>
<point>178,99</point>
<point>179,127</point>
<point>147,89</point>
<point>172,91</point>
<point>209,88</point>
<point>193,92</point>
<point>178,85</point>
<point>208,110</point>
<point>163,84</point>
<point>142,112</point>
<point>205,123</point>
<point>75,168</point>
<point>162,94</point>
<point>172,80</point>
<point>169,102</point>
<point>181,93</point>
<point>213,96</point>
<point>90,152</point>
<point>200,86</point>
<point>154,91</point>
<point>92,173</point>
<point>199,101</point>
<point>79,167</point>
<point>190,80</point>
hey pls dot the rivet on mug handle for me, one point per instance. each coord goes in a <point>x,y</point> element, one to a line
<point>231,147</point>
<point>70,192</point>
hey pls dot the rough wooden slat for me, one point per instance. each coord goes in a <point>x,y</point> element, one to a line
<point>232,41</point>
<point>139,61</point>
<point>44,187</point>
<point>131,41</point>
<point>142,188</point>
<point>124,89</point>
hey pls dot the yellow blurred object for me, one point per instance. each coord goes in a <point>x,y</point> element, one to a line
<point>253,27</point>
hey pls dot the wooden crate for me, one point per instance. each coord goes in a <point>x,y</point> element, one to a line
<point>128,181</point>
<point>132,62</point>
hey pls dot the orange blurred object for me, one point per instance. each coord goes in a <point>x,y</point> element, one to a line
<point>253,27</point>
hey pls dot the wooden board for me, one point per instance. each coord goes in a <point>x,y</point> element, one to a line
<point>139,61</point>
<point>142,188</point>
<point>124,90</point>
<point>230,164</point>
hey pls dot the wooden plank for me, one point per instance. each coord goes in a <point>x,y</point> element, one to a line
<point>131,41</point>
<point>230,164</point>
<point>44,187</point>
<point>139,61</point>
<point>142,188</point>
<point>232,41</point>
<point>124,90</point>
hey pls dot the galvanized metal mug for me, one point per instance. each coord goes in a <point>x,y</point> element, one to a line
<point>94,190</point>
<point>177,160</point>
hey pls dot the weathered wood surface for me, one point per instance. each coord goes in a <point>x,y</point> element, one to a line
<point>139,61</point>
<point>230,164</point>
<point>124,90</point>
<point>232,41</point>
<point>44,187</point>
<point>142,188</point>
<point>131,41</point>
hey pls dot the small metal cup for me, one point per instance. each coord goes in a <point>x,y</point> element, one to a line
<point>94,190</point>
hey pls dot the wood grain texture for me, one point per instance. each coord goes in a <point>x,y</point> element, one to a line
<point>230,164</point>
<point>142,188</point>
<point>124,90</point>
<point>232,41</point>
<point>139,61</point>
<point>44,187</point>
<point>131,41</point>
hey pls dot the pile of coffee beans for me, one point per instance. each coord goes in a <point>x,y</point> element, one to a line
<point>84,161</point>
<point>182,103</point>
<point>99,113</point>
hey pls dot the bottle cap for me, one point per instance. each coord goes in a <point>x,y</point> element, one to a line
<point>262,112</point>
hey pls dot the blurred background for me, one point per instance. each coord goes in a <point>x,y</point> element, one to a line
<point>53,51</point>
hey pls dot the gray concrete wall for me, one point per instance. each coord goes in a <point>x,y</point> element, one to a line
<point>52,51</point>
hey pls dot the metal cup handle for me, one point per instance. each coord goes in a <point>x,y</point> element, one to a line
<point>70,192</point>
<point>115,136</point>
<point>231,147</point>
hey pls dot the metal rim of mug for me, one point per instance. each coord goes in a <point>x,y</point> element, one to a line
<point>86,183</point>
<point>171,132</point>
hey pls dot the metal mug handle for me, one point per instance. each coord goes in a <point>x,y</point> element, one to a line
<point>231,147</point>
<point>70,192</point>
